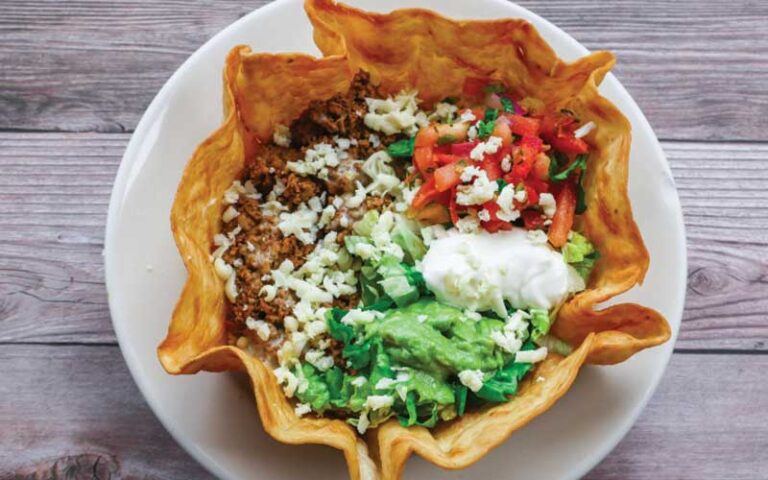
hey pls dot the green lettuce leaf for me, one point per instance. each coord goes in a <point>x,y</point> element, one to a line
<point>506,380</point>
<point>364,226</point>
<point>339,331</point>
<point>404,236</point>
<point>540,323</point>
<point>581,254</point>
<point>316,394</point>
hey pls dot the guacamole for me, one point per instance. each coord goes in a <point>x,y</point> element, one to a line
<point>412,362</point>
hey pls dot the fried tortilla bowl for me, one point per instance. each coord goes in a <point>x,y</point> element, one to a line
<point>423,50</point>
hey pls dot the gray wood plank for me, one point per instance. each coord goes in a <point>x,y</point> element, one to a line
<point>699,72</point>
<point>706,421</point>
<point>75,408</point>
<point>74,412</point>
<point>51,239</point>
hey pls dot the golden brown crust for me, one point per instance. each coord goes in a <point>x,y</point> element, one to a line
<point>411,49</point>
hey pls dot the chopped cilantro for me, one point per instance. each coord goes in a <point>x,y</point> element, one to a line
<point>555,160</point>
<point>501,183</point>
<point>507,105</point>
<point>446,139</point>
<point>486,125</point>
<point>580,162</point>
<point>581,200</point>
<point>401,148</point>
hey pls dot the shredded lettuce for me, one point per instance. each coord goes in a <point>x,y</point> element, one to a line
<point>424,398</point>
<point>337,330</point>
<point>364,226</point>
<point>399,289</point>
<point>540,323</point>
<point>554,344</point>
<point>404,235</point>
<point>581,254</point>
<point>505,381</point>
<point>316,394</point>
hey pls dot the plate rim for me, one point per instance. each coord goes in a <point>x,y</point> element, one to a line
<point>150,116</point>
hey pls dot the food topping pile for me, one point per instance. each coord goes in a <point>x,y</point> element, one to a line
<point>389,261</point>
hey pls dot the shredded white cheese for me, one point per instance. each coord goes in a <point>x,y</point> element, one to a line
<point>507,210</point>
<point>472,379</point>
<point>547,204</point>
<point>479,191</point>
<point>400,114</point>
<point>531,356</point>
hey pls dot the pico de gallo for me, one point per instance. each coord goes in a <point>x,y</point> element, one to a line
<point>500,160</point>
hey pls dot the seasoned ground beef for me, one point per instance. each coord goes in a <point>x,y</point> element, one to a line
<point>259,246</point>
<point>340,116</point>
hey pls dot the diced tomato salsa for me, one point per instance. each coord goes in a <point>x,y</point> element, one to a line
<point>535,154</point>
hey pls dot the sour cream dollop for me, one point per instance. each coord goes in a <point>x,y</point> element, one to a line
<point>479,271</point>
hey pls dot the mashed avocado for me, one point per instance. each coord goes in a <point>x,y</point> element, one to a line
<point>444,342</point>
<point>406,362</point>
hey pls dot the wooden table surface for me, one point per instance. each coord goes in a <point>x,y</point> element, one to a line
<point>75,77</point>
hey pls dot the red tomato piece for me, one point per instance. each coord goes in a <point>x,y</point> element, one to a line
<point>532,196</point>
<point>426,137</point>
<point>569,144</point>
<point>532,219</point>
<point>502,130</point>
<point>424,160</point>
<point>492,167</point>
<point>463,149</point>
<point>541,167</point>
<point>520,172</point>
<point>493,227</point>
<point>428,193</point>
<point>524,126</point>
<point>531,146</point>
<point>452,207</point>
<point>494,224</point>
<point>447,176</point>
<point>444,149</point>
<point>563,219</point>
<point>445,158</point>
<point>538,185</point>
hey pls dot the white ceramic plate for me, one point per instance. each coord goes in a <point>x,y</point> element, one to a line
<point>213,416</point>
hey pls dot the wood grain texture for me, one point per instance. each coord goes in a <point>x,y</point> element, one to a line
<point>75,409</point>
<point>699,72</point>
<point>51,241</point>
